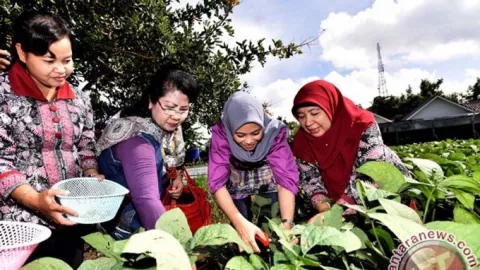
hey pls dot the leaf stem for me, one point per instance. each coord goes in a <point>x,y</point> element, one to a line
<point>427,205</point>
<point>344,259</point>
<point>378,239</point>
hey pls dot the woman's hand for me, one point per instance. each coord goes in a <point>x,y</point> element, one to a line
<point>45,203</point>
<point>177,188</point>
<point>321,217</point>
<point>93,173</point>
<point>4,63</point>
<point>247,231</point>
<point>314,218</point>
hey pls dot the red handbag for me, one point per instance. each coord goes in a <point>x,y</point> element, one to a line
<point>193,203</point>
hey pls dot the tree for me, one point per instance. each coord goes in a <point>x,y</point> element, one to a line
<point>119,44</point>
<point>293,126</point>
<point>266,109</point>
<point>386,106</point>
<point>429,89</point>
<point>396,108</point>
<point>473,91</point>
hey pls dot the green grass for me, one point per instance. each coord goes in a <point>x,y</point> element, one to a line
<point>196,165</point>
<point>217,214</point>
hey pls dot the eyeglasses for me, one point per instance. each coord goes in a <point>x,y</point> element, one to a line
<point>172,111</point>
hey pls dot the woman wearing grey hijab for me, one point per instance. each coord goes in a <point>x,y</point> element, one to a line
<point>249,155</point>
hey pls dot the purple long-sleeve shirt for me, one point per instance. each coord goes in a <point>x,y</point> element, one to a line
<point>138,162</point>
<point>280,159</point>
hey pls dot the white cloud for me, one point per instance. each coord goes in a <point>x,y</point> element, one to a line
<point>182,3</point>
<point>472,73</point>
<point>359,86</point>
<point>418,31</point>
<point>280,95</point>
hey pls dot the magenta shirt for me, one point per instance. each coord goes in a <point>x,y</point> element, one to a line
<point>280,159</point>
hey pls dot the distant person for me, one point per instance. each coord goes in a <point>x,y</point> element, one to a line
<point>335,138</point>
<point>249,155</point>
<point>47,133</point>
<point>143,149</point>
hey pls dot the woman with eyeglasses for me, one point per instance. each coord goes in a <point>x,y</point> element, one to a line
<point>144,148</point>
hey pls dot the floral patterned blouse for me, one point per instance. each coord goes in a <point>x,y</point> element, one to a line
<point>41,143</point>
<point>371,148</point>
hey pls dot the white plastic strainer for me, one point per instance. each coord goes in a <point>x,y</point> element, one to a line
<point>17,242</point>
<point>95,201</point>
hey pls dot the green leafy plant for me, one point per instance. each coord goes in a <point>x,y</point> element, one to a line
<point>366,240</point>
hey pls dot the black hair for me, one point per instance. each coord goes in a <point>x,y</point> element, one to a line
<point>36,32</point>
<point>167,79</point>
<point>302,105</point>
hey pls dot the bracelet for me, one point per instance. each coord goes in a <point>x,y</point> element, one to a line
<point>24,194</point>
<point>289,221</point>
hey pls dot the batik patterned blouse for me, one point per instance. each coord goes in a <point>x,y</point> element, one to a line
<point>371,148</point>
<point>41,143</point>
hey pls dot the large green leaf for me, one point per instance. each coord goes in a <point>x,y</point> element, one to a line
<point>101,264</point>
<point>356,207</point>
<point>465,198</point>
<point>297,229</point>
<point>292,254</point>
<point>333,217</point>
<point>467,233</point>
<point>398,209</point>
<point>281,233</point>
<point>275,211</point>
<point>373,194</point>
<point>432,157</point>
<point>286,267</point>
<point>262,201</point>
<point>257,262</point>
<point>47,264</point>
<point>431,169</point>
<point>475,167</point>
<point>328,236</point>
<point>402,228</point>
<point>238,263</point>
<point>476,175</point>
<point>279,257</point>
<point>167,251</point>
<point>385,174</point>
<point>217,235</point>
<point>384,236</point>
<point>103,243</point>
<point>457,156</point>
<point>461,215</point>
<point>361,235</point>
<point>118,246</point>
<point>461,182</point>
<point>175,223</point>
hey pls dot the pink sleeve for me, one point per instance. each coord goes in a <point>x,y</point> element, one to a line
<point>283,164</point>
<point>140,169</point>
<point>218,159</point>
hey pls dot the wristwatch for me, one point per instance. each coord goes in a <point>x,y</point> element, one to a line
<point>289,221</point>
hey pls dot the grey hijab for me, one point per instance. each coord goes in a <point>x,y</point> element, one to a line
<point>240,109</point>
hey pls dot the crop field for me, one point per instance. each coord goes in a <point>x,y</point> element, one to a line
<point>441,195</point>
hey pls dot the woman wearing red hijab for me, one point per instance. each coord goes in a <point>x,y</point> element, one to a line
<point>336,137</point>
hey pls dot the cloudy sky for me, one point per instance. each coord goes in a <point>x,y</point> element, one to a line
<point>419,39</point>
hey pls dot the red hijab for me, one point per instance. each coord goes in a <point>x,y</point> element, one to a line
<point>335,152</point>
